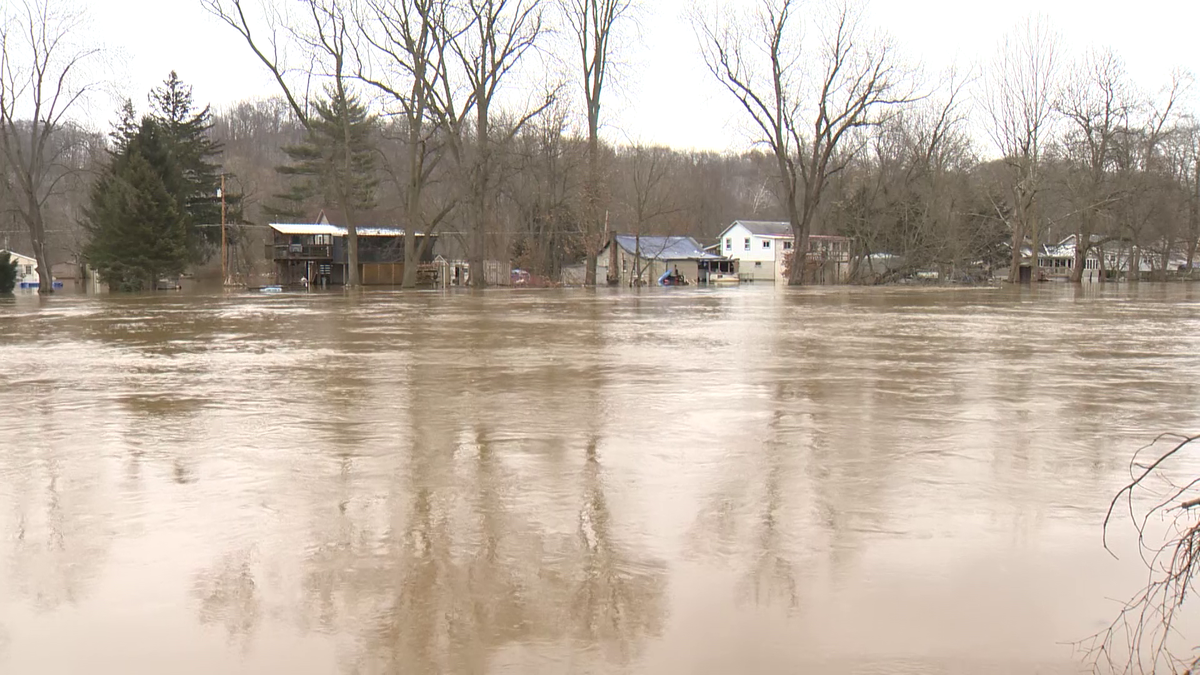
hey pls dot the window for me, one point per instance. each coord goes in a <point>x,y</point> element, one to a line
<point>28,270</point>
<point>766,243</point>
<point>747,243</point>
<point>758,264</point>
<point>787,245</point>
<point>728,244</point>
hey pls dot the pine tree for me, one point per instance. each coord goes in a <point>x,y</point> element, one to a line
<point>185,132</point>
<point>8,273</point>
<point>138,232</point>
<point>336,163</point>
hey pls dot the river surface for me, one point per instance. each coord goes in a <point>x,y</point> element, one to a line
<point>742,480</point>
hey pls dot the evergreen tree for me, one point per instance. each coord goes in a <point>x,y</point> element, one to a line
<point>8,273</point>
<point>186,133</point>
<point>138,232</point>
<point>335,164</point>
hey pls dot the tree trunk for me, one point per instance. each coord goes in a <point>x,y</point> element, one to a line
<point>592,216</point>
<point>1080,261</point>
<point>475,254</point>
<point>37,234</point>
<point>801,222</point>
<point>409,280</point>
<point>1018,242</point>
<point>415,181</point>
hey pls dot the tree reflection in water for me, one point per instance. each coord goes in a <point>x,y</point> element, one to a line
<point>61,535</point>
<point>618,600</point>
<point>460,573</point>
<point>228,596</point>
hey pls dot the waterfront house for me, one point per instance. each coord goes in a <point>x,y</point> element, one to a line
<point>319,253</point>
<point>1111,258</point>
<point>27,271</point>
<point>763,251</point>
<point>1057,261</point>
<point>635,260</point>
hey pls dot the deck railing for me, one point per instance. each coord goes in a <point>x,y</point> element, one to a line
<point>302,251</point>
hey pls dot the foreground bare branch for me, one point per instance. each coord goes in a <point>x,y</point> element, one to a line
<point>1141,638</point>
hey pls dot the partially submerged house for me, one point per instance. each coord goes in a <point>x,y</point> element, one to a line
<point>633,260</point>
<point>27,271</point>
<point>319,253</point>
<point>1058,260</point>
<point>1107,259</point>
<point>763,250</point>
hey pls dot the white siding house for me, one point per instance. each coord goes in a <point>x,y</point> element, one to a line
<point>27,276</point>
<point>758,247</point>
<point>761,248</point>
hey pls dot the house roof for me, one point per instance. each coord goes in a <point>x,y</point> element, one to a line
<point>336,231</point>
<point>776,230</point>
<point>765,228</point>
<point>23,259</point>
<point>664,248</point>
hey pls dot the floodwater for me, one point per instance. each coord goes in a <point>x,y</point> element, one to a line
<point>743,480</point>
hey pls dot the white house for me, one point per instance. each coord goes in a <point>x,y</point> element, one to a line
<point>762,247</point>
<point>27,276</point>
<point>758,247</point>
<point>1058,260</point>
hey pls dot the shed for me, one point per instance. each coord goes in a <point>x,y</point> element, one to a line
<point>637,260</point>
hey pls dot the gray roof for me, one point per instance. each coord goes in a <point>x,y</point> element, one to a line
<point>766,228</point>
<point>664,248</point>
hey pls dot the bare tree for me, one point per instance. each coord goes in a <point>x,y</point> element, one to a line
<point>322,29</point>
<point>592,25</point>
<point>546,169</point>
<point>1186,159</point>
<point>1018,98</point>
<point>1144,170</point>
<point>1161,502</point>
<point>907,196</point>
<point>646,170</point>
<point>42,79</point>
<point>496,35</point>
<point>809,127</point>
<point>408,68</point>
<point>1096,103</point>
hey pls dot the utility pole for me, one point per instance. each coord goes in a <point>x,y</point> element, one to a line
<point>224,255</point>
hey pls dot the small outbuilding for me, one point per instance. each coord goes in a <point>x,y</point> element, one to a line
<point>641,260</point>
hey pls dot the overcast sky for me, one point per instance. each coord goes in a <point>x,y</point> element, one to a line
<point>666,95</point>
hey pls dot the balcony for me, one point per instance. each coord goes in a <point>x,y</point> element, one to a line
<point>300,251</point>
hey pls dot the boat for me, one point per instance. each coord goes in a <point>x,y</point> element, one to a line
<point>271,289</point>
<point>672,278</point>
<point>722,278</point>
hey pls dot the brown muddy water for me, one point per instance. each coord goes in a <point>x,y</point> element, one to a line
<point>743,480</point>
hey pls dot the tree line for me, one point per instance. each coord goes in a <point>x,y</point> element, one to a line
<point>443,117</point>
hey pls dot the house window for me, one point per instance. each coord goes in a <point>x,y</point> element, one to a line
<point>747,243</point>
<point>766,243</point>
<point>758,264</point>
<point>787,245</point>
<point>728,244</point>
<point>28,270</point>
